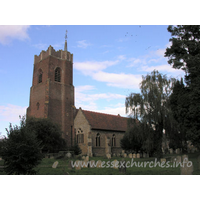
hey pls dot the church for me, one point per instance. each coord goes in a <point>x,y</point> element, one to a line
<point>52,96</point>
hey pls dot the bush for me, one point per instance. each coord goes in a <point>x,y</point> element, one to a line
<point>48,133</point>
<point>21,150</point>
<point>76,149</point>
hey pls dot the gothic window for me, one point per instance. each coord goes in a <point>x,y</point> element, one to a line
<point>38,105</point>
<point>40,76</point>
<point>80,138</point>
<point>98,140</point>
<point>57,74</point>
<point>113,141</point>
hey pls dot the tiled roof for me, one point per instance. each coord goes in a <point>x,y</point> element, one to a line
<point>103,121</point>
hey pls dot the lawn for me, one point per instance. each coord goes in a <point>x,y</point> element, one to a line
<point>45,167</point>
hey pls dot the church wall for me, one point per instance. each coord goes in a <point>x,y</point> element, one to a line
<point>100,151</point>
<point>81,124</point>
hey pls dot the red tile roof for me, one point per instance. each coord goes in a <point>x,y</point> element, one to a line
<point>103,121</point>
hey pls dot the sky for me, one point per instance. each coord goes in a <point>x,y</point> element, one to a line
<point>109,62</point>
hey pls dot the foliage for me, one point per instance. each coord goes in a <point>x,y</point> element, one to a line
<point>152,106</point>
<point>76,149</point>
<point>179,104</point>
<point>184,54</point>
<point>21,150</point>
<point>1,144</point>
<point>48,133</point>
<point>135,139</point>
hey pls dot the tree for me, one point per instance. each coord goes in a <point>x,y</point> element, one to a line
<point>21,150</point>
<point>1,143</point>
<point>48,133</point>
<point>184,54</point>
<point>137,138</point>
<point>76,149</point>
<point>179,103</point>
<point>152,106</point>
<point>133,139</point>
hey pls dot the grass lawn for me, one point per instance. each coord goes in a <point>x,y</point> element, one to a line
<point>45,167</point>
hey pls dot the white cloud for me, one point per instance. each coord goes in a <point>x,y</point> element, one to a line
<point>83,88</point>
<point>90,106</point>
<point>160,52</point>
<point>134,61</point>
<point>11,112</point>
<point>95,70</point>
<point>160,68</point>
<point>118,80</point>
<point>9,32</point>
<point>89,67</point>
<point>114,111</point>
<point>83,44</point>
<point>122,57</point>
<point>82,97</point>
<point>88,101</point>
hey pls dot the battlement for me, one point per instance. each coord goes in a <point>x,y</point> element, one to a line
<point>65,55</point>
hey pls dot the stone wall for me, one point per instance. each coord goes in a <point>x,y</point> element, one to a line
<point>103,136</point>
<point>82,126</point>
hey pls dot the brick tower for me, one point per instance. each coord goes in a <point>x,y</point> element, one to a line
<point>52,91</point>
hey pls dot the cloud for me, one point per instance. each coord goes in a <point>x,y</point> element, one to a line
<point>160,52</point>
<point>89,67</point>
<point>11,112</point>
<point>83,88</point>
<point>82,97</point>
<point>118,80</point>
<point>114,111</point>
<point>9,32</point>
<point>106,46</point>
<point>95,70</point>
<point>87,100</point>
<point>160,68</point>
<point>135,61</point>
<point>83,44</point>
<point>122,57</point>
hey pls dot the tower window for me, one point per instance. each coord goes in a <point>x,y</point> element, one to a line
<point>98,140</point>
<point>57,74</point>
<point>38,105</point>
<point>40,76</point>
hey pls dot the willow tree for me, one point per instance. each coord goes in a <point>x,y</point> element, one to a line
<point>151,106</point>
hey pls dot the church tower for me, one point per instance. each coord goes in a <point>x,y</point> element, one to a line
<point>52,91</point>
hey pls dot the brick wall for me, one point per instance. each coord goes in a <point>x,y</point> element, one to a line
<point>56,99</point>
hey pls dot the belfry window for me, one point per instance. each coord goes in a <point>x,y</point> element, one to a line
<point>40,76</point>
<point>113,141</point>
<point>57,74</point>
<point>38,105</point>
<point>98,140</point>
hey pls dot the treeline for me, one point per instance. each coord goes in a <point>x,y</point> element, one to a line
<point>166,109</point>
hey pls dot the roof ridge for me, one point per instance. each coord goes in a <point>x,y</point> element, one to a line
<point>104,113</point>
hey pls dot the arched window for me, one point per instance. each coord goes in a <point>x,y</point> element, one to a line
<point>38,105</point>
<point>113,141</point>
<point>40,76</point>
<point>98,140</point>
<point>57,74</point>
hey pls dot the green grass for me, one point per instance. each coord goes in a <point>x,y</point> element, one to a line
<point>45,167</point>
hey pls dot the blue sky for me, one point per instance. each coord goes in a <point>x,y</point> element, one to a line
<point>109,62</point>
